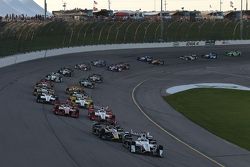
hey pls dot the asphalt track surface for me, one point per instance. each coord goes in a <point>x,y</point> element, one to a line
<point>32,136</point>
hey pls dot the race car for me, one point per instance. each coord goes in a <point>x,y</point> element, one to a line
<point>97,78</point>
<point>67,72</point>
<point>66,109</point>
<point>101,114</point>
<point>40,90</point>
<point>145,58</point>
<point>233,53</point>
<point>46,98</point>
<point>142,143</point>
<point>211,55</point>
<point>54,77</point>
<point>87,83</point>
<point>83,67</point>
<point>189,57</point>
<point>44,83</point>
<point>107,131</point>
<point>99,63</point>
<point>74,89</point>
<point>157,62</point>
<point>76,95</point>
<point>124,66</point>
<point>83,102</point>
<point>118,67</point>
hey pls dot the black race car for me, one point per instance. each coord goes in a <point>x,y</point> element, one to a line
<point>119,67</point>
<point>145,58</point>
<point>97,78</point>
<point>83,67</point>
<point>87,83</point>
<point>107,131</point>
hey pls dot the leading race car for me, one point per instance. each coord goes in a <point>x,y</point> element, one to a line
<point>142,143</point>
<point>74,89</point>
<point>46,98</point>
<point>233,53</point>
<point>99,63</point>
<point>157,62</point>
<point>145,58</point>
<point>189,57</point>
<point>87,83</point>
<point>54,77</point>
<point>107,131</point>
<point>101,114</point>
<point>211,55</point>
<point>66,109</point>
<point>67,72</point>
<point>83,67</point>
<point>97,78</point>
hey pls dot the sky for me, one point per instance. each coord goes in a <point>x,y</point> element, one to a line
<point>144,5</point>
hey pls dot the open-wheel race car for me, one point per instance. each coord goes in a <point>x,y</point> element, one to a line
<point>101,114</point>
<point>54,77</point>
<point>74,89</point>
<point>67,72</point>
<point>233,53</point>
<point>189,57</point>
<point>83,67</point>
<point>82,102</point>
<point>46,98</point>
<point>157,62</point>
<point>108,131</point>
<point>42,89</point>
<point>44,83</point>
<point>142,143</point>
<point>211,55</point>
<point>99,63</point>
<point>145,58</point>
<point>119,67</point>
<point>66,109</point>
<point>87,83</point>
<point>97,78</point>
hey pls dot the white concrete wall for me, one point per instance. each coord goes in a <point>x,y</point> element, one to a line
<point>19,58</point>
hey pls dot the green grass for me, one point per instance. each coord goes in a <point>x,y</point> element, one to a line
<point>223,112</point>
<point>20,37</point>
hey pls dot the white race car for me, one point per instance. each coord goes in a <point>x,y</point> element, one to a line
<point>46,98</point>
<point>54,76</point>
<point>142,143</point>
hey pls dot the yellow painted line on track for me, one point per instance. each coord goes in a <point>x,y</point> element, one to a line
<point>167,132</point>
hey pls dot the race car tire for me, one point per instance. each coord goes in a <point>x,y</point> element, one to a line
<point>132,147</point>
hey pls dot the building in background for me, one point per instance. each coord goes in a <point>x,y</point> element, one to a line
<point>75,14</point>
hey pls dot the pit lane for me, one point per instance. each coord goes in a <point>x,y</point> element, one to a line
<point>32,136</point>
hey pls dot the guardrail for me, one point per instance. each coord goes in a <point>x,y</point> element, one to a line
<point>19,58</point>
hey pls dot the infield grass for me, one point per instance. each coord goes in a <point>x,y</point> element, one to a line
<point>223,112</point>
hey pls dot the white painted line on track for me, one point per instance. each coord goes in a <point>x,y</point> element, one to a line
<point>167,132</point>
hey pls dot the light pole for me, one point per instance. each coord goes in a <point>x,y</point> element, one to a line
<point>45,9</point>
<point>161,21</point>
<point>220,4</point>
<point>241,21</point>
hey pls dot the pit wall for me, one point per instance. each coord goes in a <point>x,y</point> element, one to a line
<point>19,58</point>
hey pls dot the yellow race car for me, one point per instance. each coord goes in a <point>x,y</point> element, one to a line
<point>74,89</point>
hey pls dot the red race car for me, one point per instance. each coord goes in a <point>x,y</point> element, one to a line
<point>101,114</point>
<point>66,109</point>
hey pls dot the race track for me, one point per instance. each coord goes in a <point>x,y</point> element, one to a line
<point>32,136</point>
